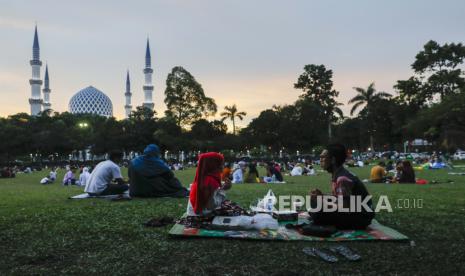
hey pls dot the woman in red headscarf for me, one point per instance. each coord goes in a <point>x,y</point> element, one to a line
<point>207,193</point>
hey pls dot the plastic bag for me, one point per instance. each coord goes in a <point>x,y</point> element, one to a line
<point>264,221</point>
<point>266,204</point>
<point>269,201</point>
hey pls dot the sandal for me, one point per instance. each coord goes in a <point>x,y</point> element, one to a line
<point>346,252</point>
<point>314,252</point>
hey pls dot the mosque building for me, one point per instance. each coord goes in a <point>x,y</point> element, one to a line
<point>89,100</point>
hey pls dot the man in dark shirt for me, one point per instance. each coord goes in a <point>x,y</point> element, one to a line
<point>343,184</point>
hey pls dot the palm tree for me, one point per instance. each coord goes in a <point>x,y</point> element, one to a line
<point>367,97</point>
<point>230,112</point>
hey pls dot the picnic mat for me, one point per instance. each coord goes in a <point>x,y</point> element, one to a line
<point>375,231</point>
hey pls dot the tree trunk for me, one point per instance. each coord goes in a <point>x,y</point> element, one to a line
<point>234,126</point>
<point>371,142</point>
<point>330,134</point>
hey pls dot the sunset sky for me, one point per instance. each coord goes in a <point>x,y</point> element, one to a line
<point>244,52</point>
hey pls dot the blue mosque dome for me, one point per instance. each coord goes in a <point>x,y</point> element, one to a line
<point>92,101</point>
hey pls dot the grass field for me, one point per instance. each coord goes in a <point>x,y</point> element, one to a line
<point>43,232</point>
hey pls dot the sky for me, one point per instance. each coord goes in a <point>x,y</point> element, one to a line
<point>244,52</point>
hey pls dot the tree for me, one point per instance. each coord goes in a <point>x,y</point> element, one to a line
<point>262,130</point>
<point>231,112</point>
<point>205,130</point>
<point>287,126</point>
<point>436,74</point>
<point>185,98</point>
<point>142,113</point>
<point>138,129</point>
<point>317,85</point>
<point>410,93</point>
<point>169,136</point>
<point>442,123</point>
<point>367,97</point>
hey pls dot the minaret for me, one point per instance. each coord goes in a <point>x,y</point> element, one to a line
<point>35,101</point>
<point>46,105</point>
<point>128,94</point>
<point>148,87</point>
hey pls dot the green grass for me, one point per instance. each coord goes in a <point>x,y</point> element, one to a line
<point>43,232</point>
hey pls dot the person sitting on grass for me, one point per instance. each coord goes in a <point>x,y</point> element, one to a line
<point>84,176</point>
<point>69,178</point>
<point>378,173</point>
<point>273,174</point>
<point>7,172</point>
<point>238,173</point>
<point>150,176</point>
<point>297,170</point>
<point>207,193</point>
<point>53,174</point>
<point>45,181</point>
<point>345,184</point>
<point>252,175</point>
<point>102,176</point>
<point>226,172</point>
<point>406,174</point>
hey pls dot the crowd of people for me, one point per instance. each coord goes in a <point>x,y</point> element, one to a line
<point>208,191</point>
<point>150,176</point>
<point>243,172</point>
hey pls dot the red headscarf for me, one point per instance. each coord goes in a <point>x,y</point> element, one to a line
<point>207,179</point>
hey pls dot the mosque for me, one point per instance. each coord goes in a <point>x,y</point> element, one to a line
<point>89,100</point>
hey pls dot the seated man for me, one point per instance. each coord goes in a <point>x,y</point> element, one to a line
<point>106,172</point>
<point>343,184</point>
<point>378,173</point>
<point>149,176</point>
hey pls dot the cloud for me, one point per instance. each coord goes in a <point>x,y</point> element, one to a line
<point>15,23</point>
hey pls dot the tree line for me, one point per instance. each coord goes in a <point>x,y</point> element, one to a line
<point>429,105</point>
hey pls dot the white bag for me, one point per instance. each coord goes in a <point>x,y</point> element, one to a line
<point>264,221</point>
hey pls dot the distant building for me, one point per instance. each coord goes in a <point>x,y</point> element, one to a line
<point>35,101</point>
<point>88,100</point>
